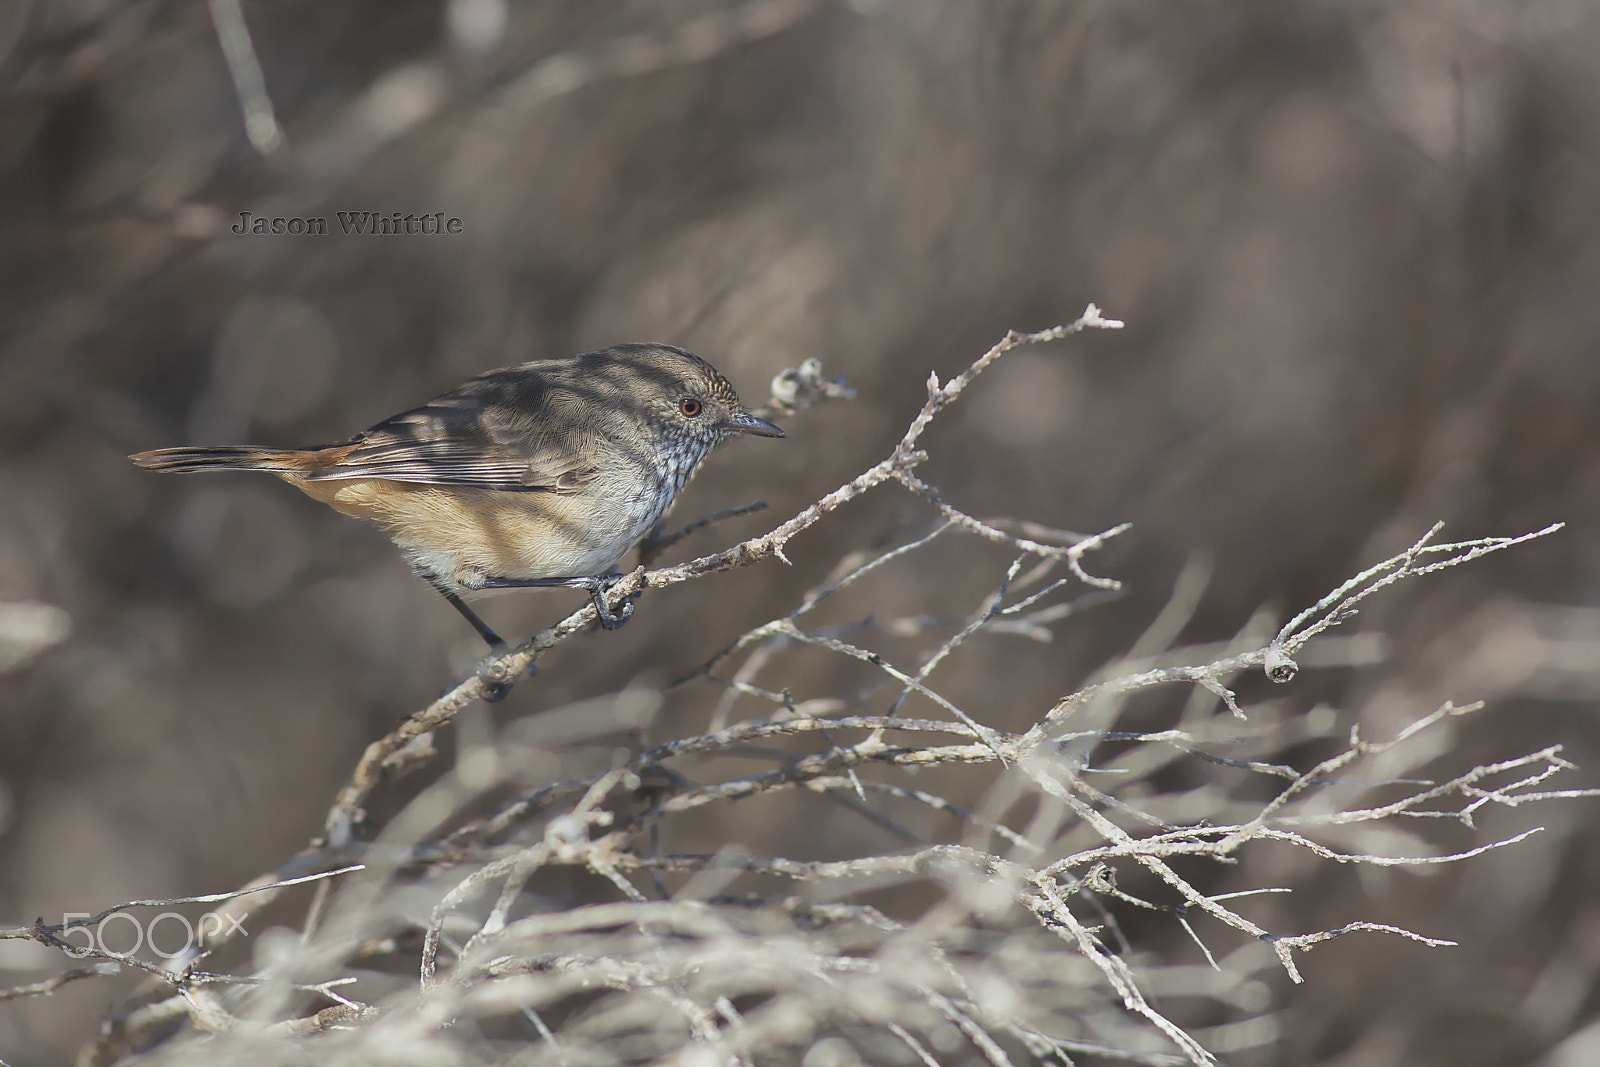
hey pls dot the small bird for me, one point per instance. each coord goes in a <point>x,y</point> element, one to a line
<point>543,474</point>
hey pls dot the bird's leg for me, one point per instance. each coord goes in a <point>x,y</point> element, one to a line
<point>597,587</point>
<point>496,643</point>
<point>492,690</point>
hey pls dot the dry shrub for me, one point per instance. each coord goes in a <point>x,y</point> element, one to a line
<point>525,906</point>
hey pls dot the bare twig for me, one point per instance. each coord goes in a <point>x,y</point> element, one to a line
<point>260,121</point>
<point>50,985</point>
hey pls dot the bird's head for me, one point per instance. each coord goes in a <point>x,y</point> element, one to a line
<point>683,397</point>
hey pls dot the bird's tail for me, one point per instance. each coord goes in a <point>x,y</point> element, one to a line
<point>225,457</point>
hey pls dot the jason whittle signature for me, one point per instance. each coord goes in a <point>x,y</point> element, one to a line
<point>351,223</point>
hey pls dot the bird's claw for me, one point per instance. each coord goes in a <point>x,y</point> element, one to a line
<point>598,591</point>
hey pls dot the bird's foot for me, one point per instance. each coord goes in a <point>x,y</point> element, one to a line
<point>597,586</point>
<point>599,590</point>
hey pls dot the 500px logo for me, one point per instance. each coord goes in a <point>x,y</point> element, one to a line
<point>104,937</point>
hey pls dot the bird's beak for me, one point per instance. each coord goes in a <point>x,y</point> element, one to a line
<point>744,422</point>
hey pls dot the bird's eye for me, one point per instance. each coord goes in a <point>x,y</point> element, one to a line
<point>690,407</point>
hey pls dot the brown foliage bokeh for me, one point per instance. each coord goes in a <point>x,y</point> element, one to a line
<point>1357,247</point>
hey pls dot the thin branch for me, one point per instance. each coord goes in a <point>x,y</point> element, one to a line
<point>50,985</point>
<point>260,120</point>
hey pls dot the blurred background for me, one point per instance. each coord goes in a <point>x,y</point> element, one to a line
<point>1356,245</point>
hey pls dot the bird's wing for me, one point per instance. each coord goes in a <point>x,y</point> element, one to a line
<point>491,435</point>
